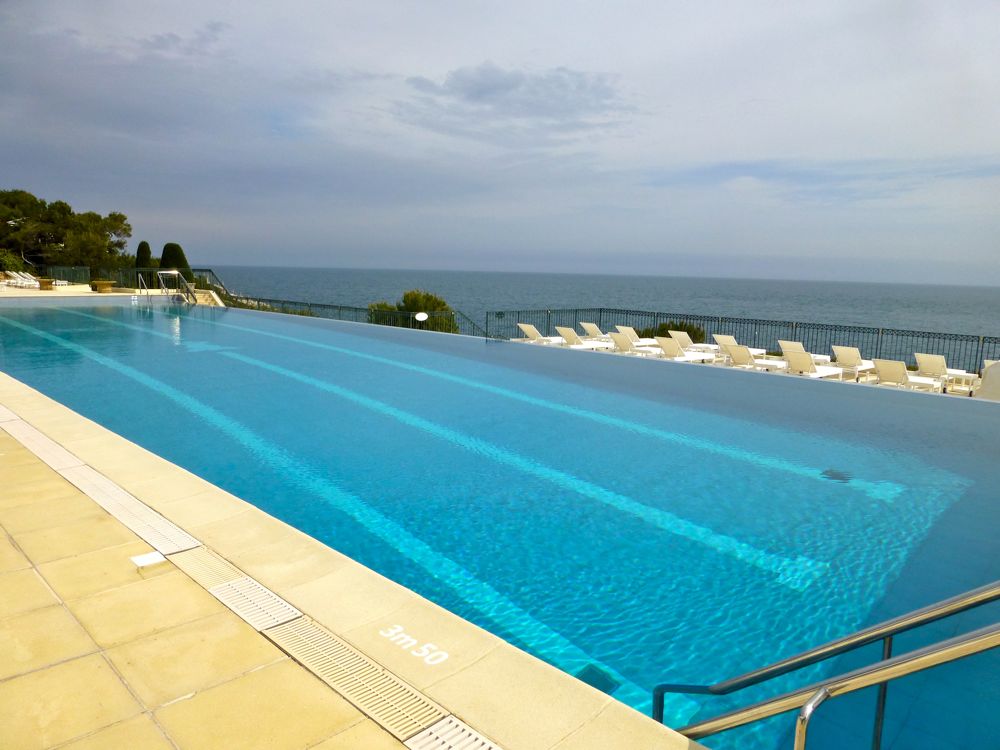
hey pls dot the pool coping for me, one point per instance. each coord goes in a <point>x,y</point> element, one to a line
<point>503,693</point>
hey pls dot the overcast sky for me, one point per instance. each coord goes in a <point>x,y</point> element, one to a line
<point>828,140</point>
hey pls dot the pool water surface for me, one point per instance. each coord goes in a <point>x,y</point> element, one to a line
<point>638,521</point>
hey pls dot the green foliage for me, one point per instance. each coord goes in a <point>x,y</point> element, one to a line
<point>9,261</point>
<point>52,234</point>
<point>143,255</point>
<point>441,317</point>
<point>696,332</point>
<point>173,257</point>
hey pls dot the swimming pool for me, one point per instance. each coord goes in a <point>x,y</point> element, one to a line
<point>650,521</point>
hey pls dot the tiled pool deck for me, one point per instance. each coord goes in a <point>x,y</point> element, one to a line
<point>97,653</point>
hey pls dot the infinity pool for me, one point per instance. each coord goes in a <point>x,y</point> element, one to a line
<point>629,521</point>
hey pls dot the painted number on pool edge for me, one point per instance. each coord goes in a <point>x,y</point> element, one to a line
<point>426,651</point>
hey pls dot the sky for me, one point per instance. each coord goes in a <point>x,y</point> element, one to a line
<point>851,140</point>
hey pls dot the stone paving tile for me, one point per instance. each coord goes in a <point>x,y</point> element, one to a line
<point>192,657</point>
<point>71,539</point>
<point>39,638</point>
<point>61,703</point>
<point>364,736</point>
<point>93,572</point>
<point>427,624</point>
<point>66,507</point>
<point>22,493</point>
<point>529,705</point>
<point>10,556</point>
<point>125,613</point>
<point>137,733</point>
<point>619,726</point>
<point>23,591</point>
<point>277,707</point>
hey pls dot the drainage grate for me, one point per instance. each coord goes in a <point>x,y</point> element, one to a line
<point>259,606</point>
<point>206,567</point>
<point>395,705</point>
<point>41,445</point>
<point>450,734</point>
<point>160,533</point>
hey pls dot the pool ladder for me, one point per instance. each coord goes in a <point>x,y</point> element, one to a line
<point>808,699</point>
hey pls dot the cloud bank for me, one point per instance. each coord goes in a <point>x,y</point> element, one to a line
<point>836,140</point>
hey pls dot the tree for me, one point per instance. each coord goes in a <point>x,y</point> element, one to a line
<point>440,315</point>
<point>48,234</point>
<point>173,257</point>
<point>143,255</point>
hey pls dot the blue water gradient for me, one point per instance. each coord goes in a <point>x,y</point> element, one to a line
<point>660,521</point>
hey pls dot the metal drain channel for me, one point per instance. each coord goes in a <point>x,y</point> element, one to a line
<point>206,567</point>
<point>259,606</point>
<point>160,533</point>
<point>450,734</point>
<point>401,709</point>
<point>47,449</point>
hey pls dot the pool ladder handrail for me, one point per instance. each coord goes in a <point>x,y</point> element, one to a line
<point>809,698</point>
<point>183,285</point>
<point>883,631</point>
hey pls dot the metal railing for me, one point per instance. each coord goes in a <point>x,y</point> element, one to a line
<point>883,631</point>
<point>448,322</point>
<point>206,278</point>
<point>69,274</point>
<point>809,698</point>
<point>964,351</point>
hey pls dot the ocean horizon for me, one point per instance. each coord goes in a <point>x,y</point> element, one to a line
<point>925,307</point>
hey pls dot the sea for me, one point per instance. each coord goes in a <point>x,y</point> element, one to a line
<point>922,307</point>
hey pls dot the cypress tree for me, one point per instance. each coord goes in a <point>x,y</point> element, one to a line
<point>173,257</point>
<point>143,255</point>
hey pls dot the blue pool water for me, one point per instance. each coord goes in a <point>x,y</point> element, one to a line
<point>660,522</point>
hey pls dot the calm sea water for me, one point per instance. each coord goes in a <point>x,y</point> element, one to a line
<point>950,309</point>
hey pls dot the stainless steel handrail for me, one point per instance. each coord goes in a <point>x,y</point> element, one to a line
<point>934,655</point>
<point>882,631</point>
<point>182,284</point>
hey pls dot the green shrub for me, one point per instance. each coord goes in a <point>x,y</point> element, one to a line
<point>173,257</point>
<point>414,301</point>
<point>696,332</point>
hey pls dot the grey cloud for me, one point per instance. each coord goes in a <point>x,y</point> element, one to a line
<point>204,41</point>
<point>514,106</point>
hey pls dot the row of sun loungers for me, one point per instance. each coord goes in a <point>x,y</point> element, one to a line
<point>21,280</point>
<point>933,373</point>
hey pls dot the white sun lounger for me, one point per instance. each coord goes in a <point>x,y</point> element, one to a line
<point>634,337</point>
<point>688,345</point>
<point>672,350</point>
<point>935,366</point>
<point>892,372</point>
<point>724,339</point>
<point>989,386</point>
<point>796,346</point>
<point>849,358</point>
<point>573,340</point>
<point>624,345</point>
<point>740,356</point>
<point>594,332</point>
<point>535,337</point>
<point>802,363</point>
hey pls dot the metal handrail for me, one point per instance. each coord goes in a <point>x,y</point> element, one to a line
<point>182,284</point>
<point>882,631</point>
<point>879,673</point>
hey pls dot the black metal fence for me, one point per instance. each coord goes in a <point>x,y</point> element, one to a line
<point>962,351</point>
<point>69,274</point>
<point>448,322</point>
